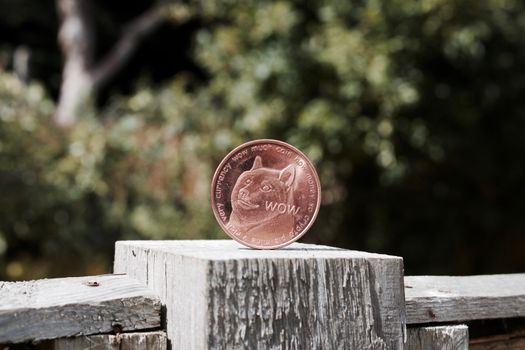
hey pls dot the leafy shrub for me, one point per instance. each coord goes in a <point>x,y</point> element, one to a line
<point>411,110</point>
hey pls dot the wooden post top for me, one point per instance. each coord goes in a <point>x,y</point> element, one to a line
<point>229,249</point>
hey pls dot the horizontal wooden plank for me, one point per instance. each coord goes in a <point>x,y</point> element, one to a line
<point>504,335</point>
<point>445,298</point>
<point>450,337</point>
<point>63,307</point>
<point>125,341</point>
<point>498,343</point>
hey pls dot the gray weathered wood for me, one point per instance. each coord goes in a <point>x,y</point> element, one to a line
<point>438,338</point>
<point>445,298</point>
<point>219,294</point>
<point>62,307</point>
<point>125,341</point>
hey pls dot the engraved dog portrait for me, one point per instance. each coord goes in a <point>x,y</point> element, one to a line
<point>262,201</point>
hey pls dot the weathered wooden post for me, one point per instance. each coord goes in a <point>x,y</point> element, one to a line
<point>447,337</point>
<point>219,294</point>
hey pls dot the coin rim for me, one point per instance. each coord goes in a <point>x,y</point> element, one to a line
<point>224,161</point>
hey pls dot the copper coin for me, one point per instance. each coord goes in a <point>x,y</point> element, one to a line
<point>265,194</point>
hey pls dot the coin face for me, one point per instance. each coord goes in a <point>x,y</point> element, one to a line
<point>265,194</point>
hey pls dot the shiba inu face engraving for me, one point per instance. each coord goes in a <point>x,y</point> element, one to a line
<point>261,195</point>
<point>265,194</point>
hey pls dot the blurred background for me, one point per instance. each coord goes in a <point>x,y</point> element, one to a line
<point>114,115</point>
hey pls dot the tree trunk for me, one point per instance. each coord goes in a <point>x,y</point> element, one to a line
<point>82,78</point>
<point>76,38</point>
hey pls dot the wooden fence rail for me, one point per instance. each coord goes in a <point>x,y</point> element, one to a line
<point>446,298</point>
<point>220,295</point>
<point>65,307</point>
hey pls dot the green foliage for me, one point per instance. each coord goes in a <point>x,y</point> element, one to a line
<point>69,195</point>
<point>411,110</point>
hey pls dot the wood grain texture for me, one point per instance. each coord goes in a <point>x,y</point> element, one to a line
<point>63,307</point>
<point>498,343</point>
<point>125,341</point>
<point>445,298</point>
<point>219,294</point>
<point>438,338</point>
